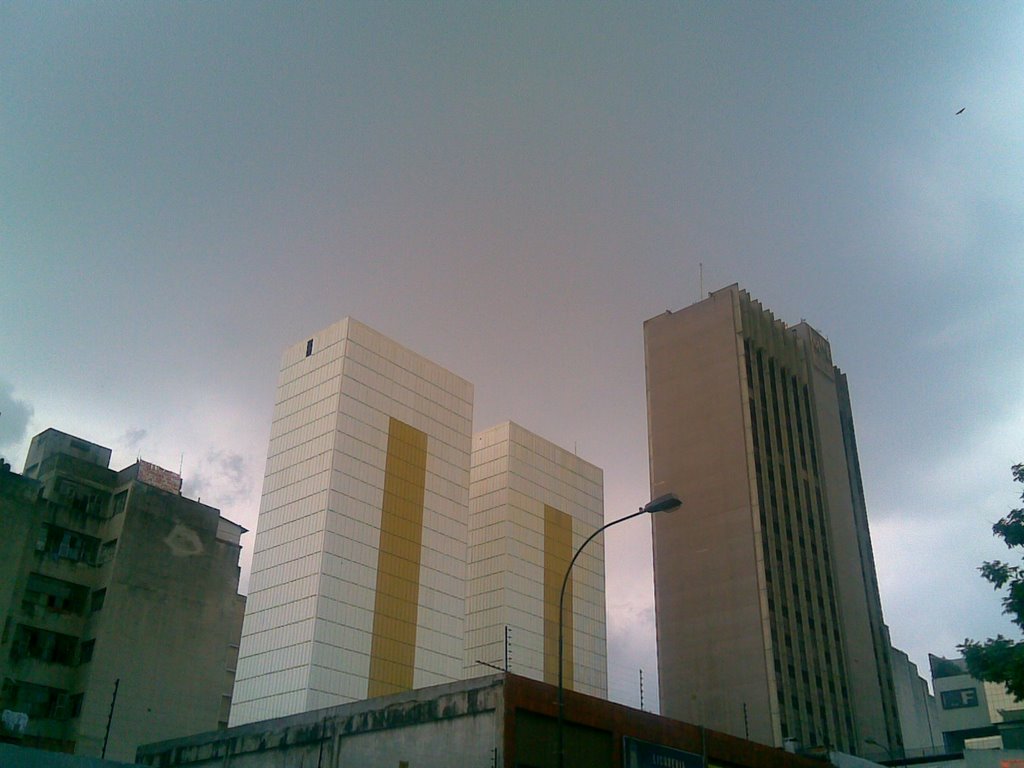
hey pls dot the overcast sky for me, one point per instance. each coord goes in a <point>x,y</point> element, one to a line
<point>511,190</point>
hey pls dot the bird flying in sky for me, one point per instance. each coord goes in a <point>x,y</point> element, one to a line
<point>961,110</point>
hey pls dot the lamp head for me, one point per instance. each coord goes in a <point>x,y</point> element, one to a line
<point>664,503</point>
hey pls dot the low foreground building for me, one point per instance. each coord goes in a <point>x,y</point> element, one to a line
<point>498,721</point>
<point>974,713</point>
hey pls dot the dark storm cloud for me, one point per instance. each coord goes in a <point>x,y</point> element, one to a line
<point>14,416</point>
<point>510,190</point>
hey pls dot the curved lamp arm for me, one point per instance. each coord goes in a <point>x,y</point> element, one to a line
<point>665,503</point>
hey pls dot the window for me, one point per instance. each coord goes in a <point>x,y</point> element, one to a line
<point>37,701</point>
<point>62,544</point>
<point>120,500</point>
<point>48,595</point>
<point>309,348</point>
<point>82,498</point>
<point>961,698</point>
<point>106,552</point>
<point>97,600</point>
<point>43,645</point>
<point>85,652</point>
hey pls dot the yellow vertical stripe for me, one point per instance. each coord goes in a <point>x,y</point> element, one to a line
<point>393,648</point>
<point>557,555</point>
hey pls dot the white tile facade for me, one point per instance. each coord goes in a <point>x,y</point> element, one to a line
<point>308,626</point>
<point>514,475</point>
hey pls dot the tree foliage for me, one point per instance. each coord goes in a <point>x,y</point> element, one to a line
<point>999,659</point>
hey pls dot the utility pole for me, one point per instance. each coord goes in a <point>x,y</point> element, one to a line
<point>110,717</point>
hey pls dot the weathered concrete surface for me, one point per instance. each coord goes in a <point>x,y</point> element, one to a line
<point>438,726</point>
<point>12,756</point>
<point>155,579</point>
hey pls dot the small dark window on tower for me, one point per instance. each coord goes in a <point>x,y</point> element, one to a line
<point>309,348</point>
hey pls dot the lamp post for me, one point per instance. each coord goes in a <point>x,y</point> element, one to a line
<point>665,503</point>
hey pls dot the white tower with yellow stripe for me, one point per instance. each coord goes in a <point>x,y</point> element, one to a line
<point>359,565</point>
<point>532,504</point>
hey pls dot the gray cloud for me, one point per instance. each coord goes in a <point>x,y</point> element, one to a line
<point>133,438</point>
<point>630,635</point>
<point>14,416</point>
<point>527,202</point>
<point>224,478</point>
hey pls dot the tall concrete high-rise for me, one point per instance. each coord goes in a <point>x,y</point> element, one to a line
<point>119,599</point>
<point>532,504</point>
<point>358,574</point>
<point>768,616</point>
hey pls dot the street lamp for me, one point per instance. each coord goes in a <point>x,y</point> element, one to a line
<point>665,503</point>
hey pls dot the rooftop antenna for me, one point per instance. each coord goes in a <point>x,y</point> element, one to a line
<point>701,296</point>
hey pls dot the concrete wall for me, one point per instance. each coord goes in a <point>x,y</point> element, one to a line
<point>165,629</point>
<point>159,611</point>
<point>969,708</point>
<point>500,721</point>
<point>973,713</point>
<point>919,717</point>
<point>708,579</point>
<point>868,683</point>
<point>12,756</point>
<point>19,518</point>
<point>438,727</point>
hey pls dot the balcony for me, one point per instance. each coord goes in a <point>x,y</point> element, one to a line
<point>44,657</point>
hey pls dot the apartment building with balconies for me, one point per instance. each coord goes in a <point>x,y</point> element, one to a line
<point>121,617</point>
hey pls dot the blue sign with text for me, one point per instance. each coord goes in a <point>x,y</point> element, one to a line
<point>644,754</point>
